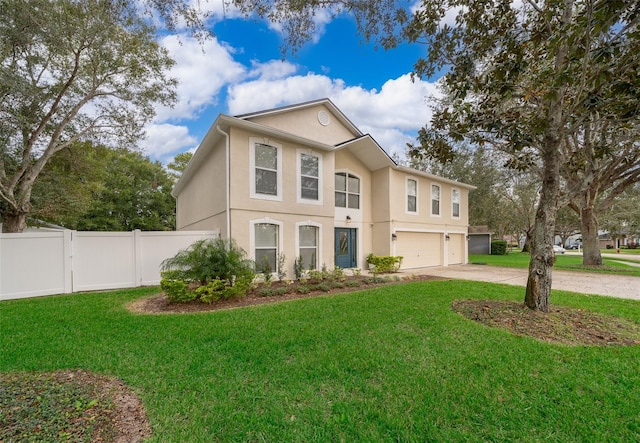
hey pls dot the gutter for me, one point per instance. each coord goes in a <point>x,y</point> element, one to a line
<point>228,179</point>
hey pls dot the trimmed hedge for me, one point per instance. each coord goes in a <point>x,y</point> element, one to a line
<point>498,247</point>
<point>386,263</point>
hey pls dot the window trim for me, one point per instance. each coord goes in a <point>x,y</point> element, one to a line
<point>407,195</point>
<point>252,237</point>
<point>453,191</point>
<point>439,214</point>
<point>253,141</point>
<point>348,173</point>
<point>319,239</point>
<point>300,199</point>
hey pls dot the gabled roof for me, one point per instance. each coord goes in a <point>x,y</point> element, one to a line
<point>337,113</point>
<point>362,146</point>
<point>368,151</point>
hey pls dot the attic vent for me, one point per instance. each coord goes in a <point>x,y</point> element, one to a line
<point>323,118</point>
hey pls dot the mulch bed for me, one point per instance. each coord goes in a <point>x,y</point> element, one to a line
<point>159,304</point>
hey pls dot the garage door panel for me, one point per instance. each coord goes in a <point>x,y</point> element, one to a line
<point>419,249</point>
<point>456,249</point>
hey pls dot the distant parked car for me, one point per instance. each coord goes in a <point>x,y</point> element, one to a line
<point>574,246</point>
<point>558,249</point>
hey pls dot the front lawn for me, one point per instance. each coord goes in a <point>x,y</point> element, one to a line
<point>394,363</point>
<point>564,262</point>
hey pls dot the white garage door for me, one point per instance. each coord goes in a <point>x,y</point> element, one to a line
<point>419,249</point>
<point>456,249</point>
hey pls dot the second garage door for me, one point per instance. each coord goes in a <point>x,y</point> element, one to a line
<point>419,249</point>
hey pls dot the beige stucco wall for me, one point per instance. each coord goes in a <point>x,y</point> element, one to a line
<point>241,228</point>
<point>360,219</point>
<point>241,179</point>
<point>398,210</point>
<point>202,201</point>
<point>304,122</point>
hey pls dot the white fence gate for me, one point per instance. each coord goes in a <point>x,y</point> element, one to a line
<point>44,263</point>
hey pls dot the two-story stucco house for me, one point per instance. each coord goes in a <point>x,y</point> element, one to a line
<point>304,181</point>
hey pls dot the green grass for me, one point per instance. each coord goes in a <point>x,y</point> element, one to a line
<point>565,262</point>
<point>389,364</point>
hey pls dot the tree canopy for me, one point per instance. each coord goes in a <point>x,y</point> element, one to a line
<point>71,70</point>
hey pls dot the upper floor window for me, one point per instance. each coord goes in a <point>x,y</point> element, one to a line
<point>347,190</point>
<point>455,203</point>
<point>412,195</point>
<point>265,170</point>
<point>309,175</point>
<point>435,200</point>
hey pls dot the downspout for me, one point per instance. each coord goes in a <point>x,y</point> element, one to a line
<point>228,179</point>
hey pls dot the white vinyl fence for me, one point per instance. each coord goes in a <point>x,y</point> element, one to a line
<point>56,262</point>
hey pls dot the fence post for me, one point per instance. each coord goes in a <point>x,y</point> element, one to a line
<point>67,260</point>
<point>137,257</point>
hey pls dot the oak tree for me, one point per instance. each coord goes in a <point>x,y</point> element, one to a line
<point>71,70</point>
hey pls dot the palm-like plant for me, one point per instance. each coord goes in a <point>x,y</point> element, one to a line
<point>210,259</point>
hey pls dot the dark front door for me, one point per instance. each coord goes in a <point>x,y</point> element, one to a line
<point>346,247</point>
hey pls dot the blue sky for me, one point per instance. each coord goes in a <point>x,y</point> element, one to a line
<point>241,70</point>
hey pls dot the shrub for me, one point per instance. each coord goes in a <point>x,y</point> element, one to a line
<point>217,266</point>
<point>315,275</point>
<point>498,247</point>
<point>298,268</point>
<point>177,290</point>
<point>208,260</point>
<point>338,274</point>
<point>212,291</point>
<point>352,283</point>
<point>632,245</point>
<point>282,271</point>
<point>324,287</point>
<point>266,292</point>
<point>265,270</point>
<point>282,290</point>
<point>303,289</point>
<point>386,263</point>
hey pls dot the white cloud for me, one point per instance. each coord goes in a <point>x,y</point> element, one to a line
<point>265,94</point>
<point>272,70</point>
<point>202,70</point>
<point>163,141</point>
<point>392,115</point>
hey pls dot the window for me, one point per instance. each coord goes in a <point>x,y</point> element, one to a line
<point>435,200</point>
<point>455,203</point>
<point>309,174</point>
<point>308,250</point>
<point>265,170</point>
<point>412,195</point>
<point>266,245</point>
<point>347,191</point>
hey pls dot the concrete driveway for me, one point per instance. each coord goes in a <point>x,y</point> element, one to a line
<point>582,282</point>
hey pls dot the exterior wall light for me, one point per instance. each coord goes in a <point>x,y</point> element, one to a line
<point>446,237</point>
<point>394,237</point>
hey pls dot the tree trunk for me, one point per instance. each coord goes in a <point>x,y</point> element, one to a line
<point>590,241</point>
<point>14,222</point>
<point>542,256</point>
<point>527,241</point>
